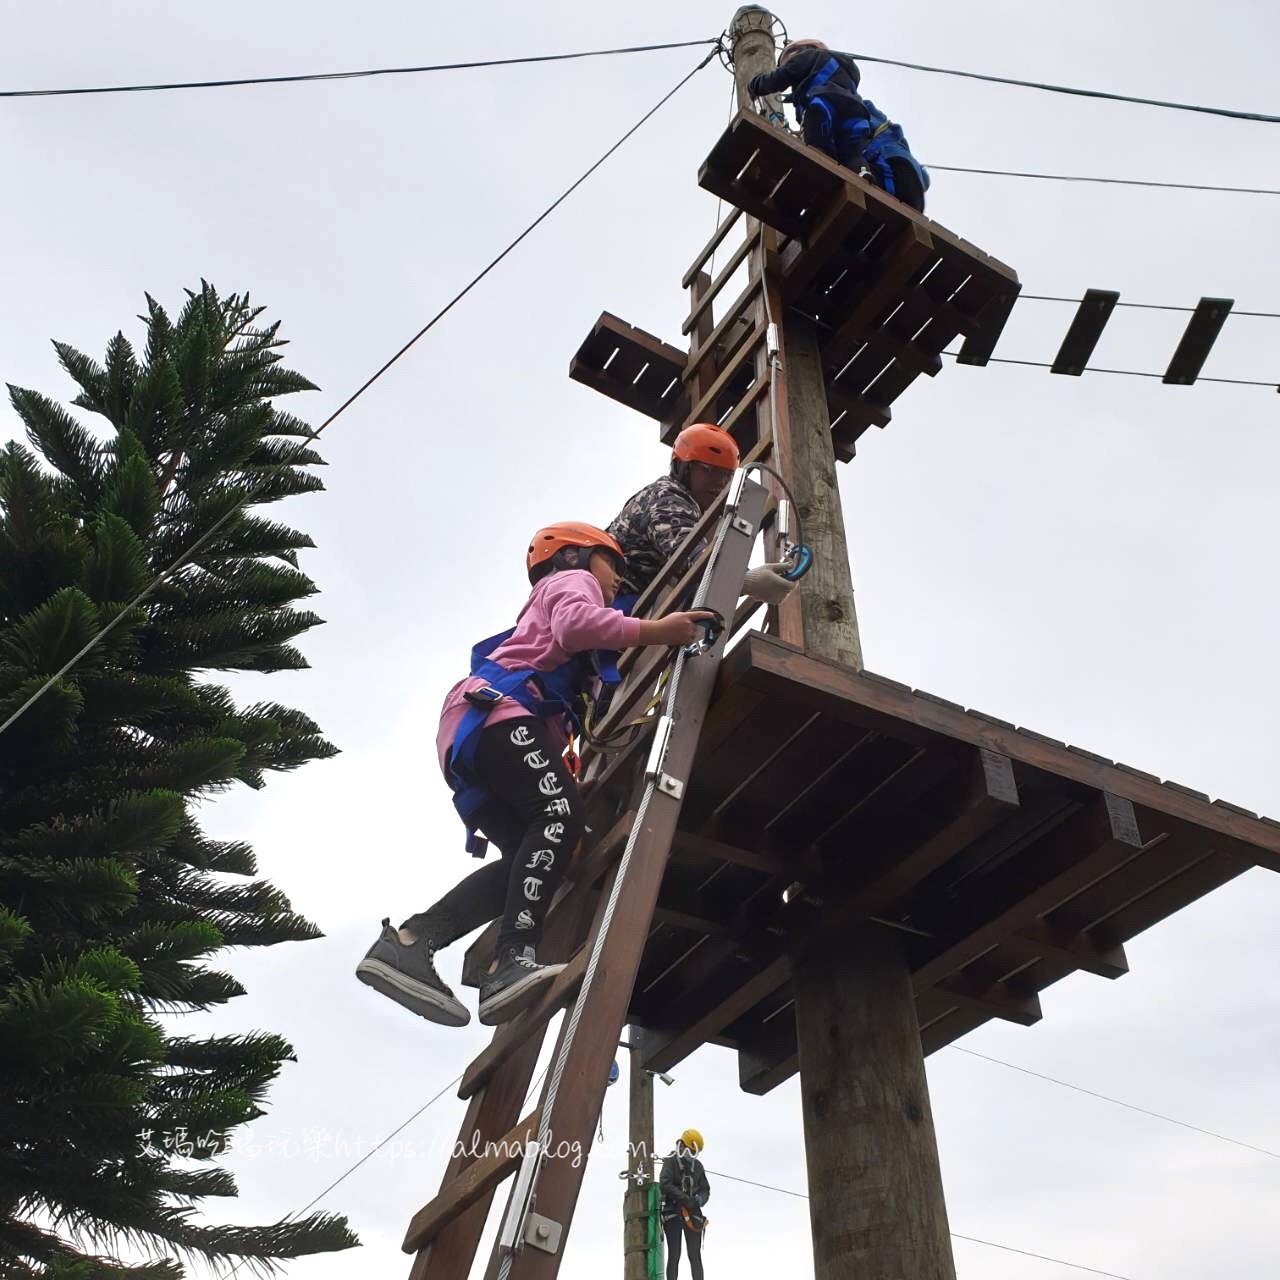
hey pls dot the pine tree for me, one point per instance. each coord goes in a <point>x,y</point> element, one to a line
<point>113,902</point>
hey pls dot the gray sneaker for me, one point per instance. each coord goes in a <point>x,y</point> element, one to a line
<point>516,983</point>
<point>408,976</point>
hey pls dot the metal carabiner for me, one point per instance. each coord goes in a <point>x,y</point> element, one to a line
<point>711,629</point>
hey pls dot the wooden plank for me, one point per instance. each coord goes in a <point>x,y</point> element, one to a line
<point>1197,341</point>
<point>863,698</point>
<point>1086,328</point>
<point>477,1180</point>
<point>1101,836</point>
<point>636,350</point>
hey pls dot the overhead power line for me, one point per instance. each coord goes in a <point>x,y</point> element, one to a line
<point>955,1235</point>
<point>1228,112</point>
<point>365,74</point>
<point>272,474</point>
<point>1118,182</point>
<point>1102,1097</point>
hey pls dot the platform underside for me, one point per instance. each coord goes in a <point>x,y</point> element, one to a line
<point>1004,860</point>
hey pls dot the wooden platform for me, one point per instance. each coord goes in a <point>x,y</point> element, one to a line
<point>888,287</point>
<point>1005,859</point>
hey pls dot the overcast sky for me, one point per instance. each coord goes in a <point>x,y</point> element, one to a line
<point>1092,558</point>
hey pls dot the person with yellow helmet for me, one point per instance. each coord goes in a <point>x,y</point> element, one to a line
<point>655,521</point>
<point>503,732</point>
<point>685,1190</point>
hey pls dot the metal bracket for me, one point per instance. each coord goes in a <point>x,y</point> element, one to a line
<point>733,495</point>
<point>771,343</point>
<point>670,786</point>
<point>658,748</point>
<point>519,1210</point>
<point>542,1233</point>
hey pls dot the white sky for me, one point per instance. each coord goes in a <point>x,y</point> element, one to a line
<point>1092,558</point>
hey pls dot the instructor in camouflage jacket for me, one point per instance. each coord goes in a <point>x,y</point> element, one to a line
<point>654,522</point>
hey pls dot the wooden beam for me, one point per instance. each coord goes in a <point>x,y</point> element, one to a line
<point>1100,837</point>
<point>664,1049</point>
<point>995,999</point>
<point>478,1179</point>
<point>1197,341</point>
<point>763,664</point>
<point>1086,328</point>
<point>1080,950</point>
<point>800,864</point>
<point>769,1055</point>
<point>983,794</point>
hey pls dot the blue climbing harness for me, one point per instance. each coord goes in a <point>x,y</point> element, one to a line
<point>874,138</point>
<point>559,692</point>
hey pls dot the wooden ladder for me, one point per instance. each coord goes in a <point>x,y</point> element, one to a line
<point>495,1141</point>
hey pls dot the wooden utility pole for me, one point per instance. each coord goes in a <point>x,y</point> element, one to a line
<point>803,448</point>
<point>635,1209</point>
<point>875,1187</point>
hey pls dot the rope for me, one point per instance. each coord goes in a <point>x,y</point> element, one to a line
<point>268,476</point>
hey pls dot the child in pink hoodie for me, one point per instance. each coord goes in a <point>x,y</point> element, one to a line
<point>502,734</point>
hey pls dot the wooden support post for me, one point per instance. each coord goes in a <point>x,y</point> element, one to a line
<point>635,1204</point>
<point>875,1186</point>
<point>803,449</point>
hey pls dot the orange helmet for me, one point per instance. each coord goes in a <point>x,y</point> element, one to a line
<point>704,442</point>
<point>556,537</point>
<point>798,46</point>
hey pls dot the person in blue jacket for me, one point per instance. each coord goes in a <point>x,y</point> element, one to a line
<point>840,122</point>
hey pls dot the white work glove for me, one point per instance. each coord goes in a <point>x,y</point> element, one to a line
<point>766,583</point>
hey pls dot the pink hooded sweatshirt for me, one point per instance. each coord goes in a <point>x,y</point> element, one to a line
<point>564,614</point>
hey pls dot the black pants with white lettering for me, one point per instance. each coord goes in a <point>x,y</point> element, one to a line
<point>675,1231</point>
<point>534,819</point>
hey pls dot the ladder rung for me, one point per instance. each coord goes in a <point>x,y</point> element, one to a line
<point>475,1181</point>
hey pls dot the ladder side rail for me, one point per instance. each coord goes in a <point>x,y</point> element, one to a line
<point>576,1083</point>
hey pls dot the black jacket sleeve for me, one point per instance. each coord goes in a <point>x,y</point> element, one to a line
<point>669,1180</point>
<point>702,1188</point>
<point>783,77</point>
